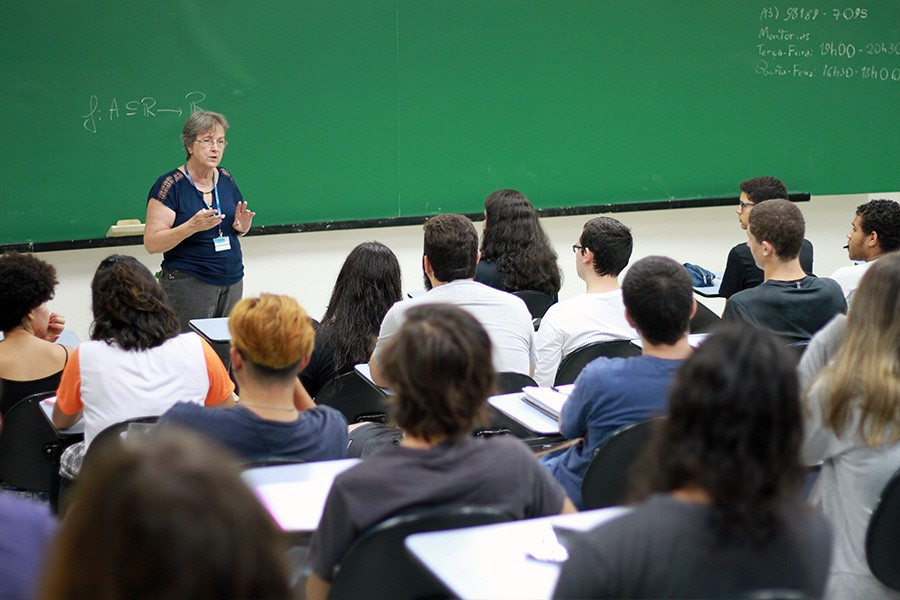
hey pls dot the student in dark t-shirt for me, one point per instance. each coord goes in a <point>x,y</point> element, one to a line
<point>271,340</point>
<point>439,366</point>
<point>721,517</point>
<point>789,302</point>
<point>741,272</point>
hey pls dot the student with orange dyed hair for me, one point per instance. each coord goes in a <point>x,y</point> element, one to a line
<point>271,341</point>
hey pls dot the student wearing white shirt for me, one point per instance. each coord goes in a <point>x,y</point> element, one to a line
<point>875,231</point>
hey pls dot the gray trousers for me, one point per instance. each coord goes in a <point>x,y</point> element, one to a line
<point>195,299</point>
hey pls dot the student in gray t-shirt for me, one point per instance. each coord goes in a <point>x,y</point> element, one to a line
<point>439,366</point>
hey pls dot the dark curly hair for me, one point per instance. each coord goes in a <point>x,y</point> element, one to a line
<point>26,282</point>
<point>366,287</point>
<point>451,245</point>
<point>734,430</point>
<point>882,216</point>
<point>760,189</point>
<point>517,245</point>
<point>439,366</point>
<point>130,309</point>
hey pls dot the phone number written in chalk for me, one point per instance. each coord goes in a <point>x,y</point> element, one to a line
<point>146,107</point>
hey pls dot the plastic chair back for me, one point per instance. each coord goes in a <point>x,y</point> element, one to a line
<point>30,446</point>
<point>356,398</point>
<point>573,363</point>
<point>377,565</point>
<point>883,536</point>
<point>537,302</point>
<point>606,481</point>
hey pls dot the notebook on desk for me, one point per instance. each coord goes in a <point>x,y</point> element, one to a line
<point>548,400</point>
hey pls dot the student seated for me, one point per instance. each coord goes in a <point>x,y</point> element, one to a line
<point>721,516</point>
<point>29,360</point>
<point>439,367</point>
<point>137,363</point>
<point>598,315</point>
<point>613,392</point>
<point>271,340</point>
<point>366,287</point>
<point>789,302</point>
<point>741,271</point>
<point>875,231</point>
<point>853,422</point>
<point>516,254</point>
<point>166,516</point>
<point>451,252</point>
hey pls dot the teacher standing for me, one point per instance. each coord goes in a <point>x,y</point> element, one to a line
<point>195,217</point>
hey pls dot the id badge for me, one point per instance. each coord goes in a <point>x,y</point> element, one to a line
<point>222,243</point>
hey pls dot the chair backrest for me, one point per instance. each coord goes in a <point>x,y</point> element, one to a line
<point>537,302</point>
<point>606,480</point>
<point>509,382</point>
<point>704,320</point>
<point>883,536</point>
<point>357,399</point>
<point>573,363</point>
<point>29,446</point>
<point>117,432</point>
<point>377,565</point>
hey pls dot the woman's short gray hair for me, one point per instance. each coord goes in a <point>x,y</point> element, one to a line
<point>198,122</point>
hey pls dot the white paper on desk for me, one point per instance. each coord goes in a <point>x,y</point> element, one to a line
<point>548,400</point>
<point>295,505</point>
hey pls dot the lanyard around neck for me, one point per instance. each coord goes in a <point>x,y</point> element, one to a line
<point>215,187</point>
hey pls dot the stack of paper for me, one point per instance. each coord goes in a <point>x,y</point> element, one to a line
<point>547,400</point>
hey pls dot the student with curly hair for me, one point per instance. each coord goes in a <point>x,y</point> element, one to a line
<point>516,254</point>
<point>366,287</point>
<point>874,232</point>
<point>720,515</point>
<point>137,362</point>
<point>853,421</point>
<point>166,516</point>
<point>29,360</point>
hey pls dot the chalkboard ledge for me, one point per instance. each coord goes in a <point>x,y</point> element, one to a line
<point>392,222</point>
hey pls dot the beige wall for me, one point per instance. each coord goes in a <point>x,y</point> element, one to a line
<point>304,265</point>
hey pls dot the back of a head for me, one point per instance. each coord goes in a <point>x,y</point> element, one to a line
<point>439,366</point>
<point>734,429</point>
<point>26,282</point>
<point>659,297</point>
<point>166,516</point>
<point>130,309</point>
<point>760,189</point>
<point>451,245</point>
<point>610,241</point>
<point>883,217</point>
<point>780,223</point>
<point>273,333</point>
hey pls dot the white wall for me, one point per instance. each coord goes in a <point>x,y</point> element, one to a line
<point>305,265</point>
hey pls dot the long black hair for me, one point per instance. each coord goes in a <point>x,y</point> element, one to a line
<point>517,245</point>
<point>366,287</point>
<point>734,431</point>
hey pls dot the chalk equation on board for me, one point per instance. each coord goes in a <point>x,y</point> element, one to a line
<point>789,44</point>
<point>146,107</point>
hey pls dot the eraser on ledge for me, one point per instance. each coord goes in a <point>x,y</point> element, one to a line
<point>125,227</point>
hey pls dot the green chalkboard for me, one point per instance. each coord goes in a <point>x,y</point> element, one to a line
<point>375,109</point>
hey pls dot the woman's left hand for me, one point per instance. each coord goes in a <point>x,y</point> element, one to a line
<point>243,218</point>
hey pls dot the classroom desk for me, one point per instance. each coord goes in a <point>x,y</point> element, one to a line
<point>76,430</point>
<point>491,561</point>
<point>295,494</point>
<point>514,407</point>
<point>711,291</point>
<point>214,331</point>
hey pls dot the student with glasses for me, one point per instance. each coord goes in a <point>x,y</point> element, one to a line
<point>741,272</point>
<point>195,217</point>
